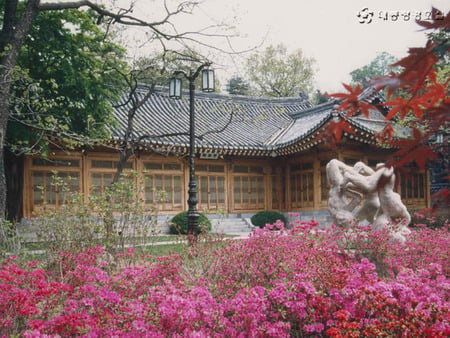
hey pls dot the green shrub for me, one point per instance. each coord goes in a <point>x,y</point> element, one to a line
<point>179,223</point>
<point>10,242</point>
<point>80,223</point>
<point>262,218</point>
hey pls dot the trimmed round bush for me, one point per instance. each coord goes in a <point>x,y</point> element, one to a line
<point>260,219</point>
<point>179,223</point>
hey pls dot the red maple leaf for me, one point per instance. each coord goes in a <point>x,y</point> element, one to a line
<point>417,65</point>
<point>414,149</point>
<point>351,102</point>
<point>439,113</point>
<point>387,133</point>
<point>414,153</point>
<point>435,94</point>
<point>402,107</point>
<point>337,128</point>
<point>327,136</point>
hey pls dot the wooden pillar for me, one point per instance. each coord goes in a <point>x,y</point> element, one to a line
<point>282,187</point>
<point>364,157</point>
<point>84,177</point>
<point>267,180</point>
<point>316,184</point>
<point>229,186</point>
<point>288,188</point>
<point>278,173</point>
<point>427,188</point>
<point>27,188</point>
<point>339,155</point>
<point>185,183</point>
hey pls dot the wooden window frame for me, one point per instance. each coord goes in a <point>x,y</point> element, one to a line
<point>172,205</point>
<point>260,198</point>
<point>275,185</point>
<point>324,188</point>
<point>91,170</point>
<point>297,200</point>
<point>30,205</point>
<point>413,188</point>
<point>205,171</point>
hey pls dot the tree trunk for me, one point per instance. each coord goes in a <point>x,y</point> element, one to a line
<point>2,179</point>
<point>11,43</point>
<point>14,169</point>
<point>4,109</point>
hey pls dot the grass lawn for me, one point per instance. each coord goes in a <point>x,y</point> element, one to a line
<point>166,249</point>
<point>155,245</point>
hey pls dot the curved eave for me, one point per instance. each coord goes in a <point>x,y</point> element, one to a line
<point>302,143</point>
<point>359,122</point>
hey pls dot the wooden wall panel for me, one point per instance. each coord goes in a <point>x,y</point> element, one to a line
<point>270,167</point>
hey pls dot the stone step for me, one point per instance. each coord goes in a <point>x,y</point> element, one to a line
<point>243,224</point>
<point>231,231</point>
<point>227,221</point>
<point>230,225</point>
<point>233,225</point>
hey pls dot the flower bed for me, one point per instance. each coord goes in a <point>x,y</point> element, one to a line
<point>297,282</point>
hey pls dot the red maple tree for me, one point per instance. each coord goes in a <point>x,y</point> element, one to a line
<point>413,95</point>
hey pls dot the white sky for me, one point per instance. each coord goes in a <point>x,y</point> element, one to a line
<point>327,30</point>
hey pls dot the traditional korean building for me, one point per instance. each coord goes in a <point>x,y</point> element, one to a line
<point>252,154</point>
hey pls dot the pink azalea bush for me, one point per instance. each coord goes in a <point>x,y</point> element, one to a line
<point>304,281</point>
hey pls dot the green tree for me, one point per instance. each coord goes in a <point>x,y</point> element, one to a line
<point>319,97</point>
<point>63,86</point>
<point>18,19</point>
<point>238,86</point>
<point>65,82</point>
<point>441,38</point>
<point>276,73</point>
<point>380,66</point>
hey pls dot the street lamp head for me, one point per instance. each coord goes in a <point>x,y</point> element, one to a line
<point>208,80</point>
<point>175,86</point>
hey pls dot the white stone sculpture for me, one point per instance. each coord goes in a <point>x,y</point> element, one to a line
<point>371,202</point>
<point>391,206</point>
<point>372,191</point>
<point>341,202</point>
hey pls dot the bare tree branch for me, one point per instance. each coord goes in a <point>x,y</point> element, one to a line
<point>219,130</point>
<point>123,17</point>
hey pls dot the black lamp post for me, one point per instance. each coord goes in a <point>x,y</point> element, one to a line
<point>175,91</point>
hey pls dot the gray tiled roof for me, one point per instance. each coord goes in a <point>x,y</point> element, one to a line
<point>372,125</point>
<point>304,123</point>
<point>256,123</point>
